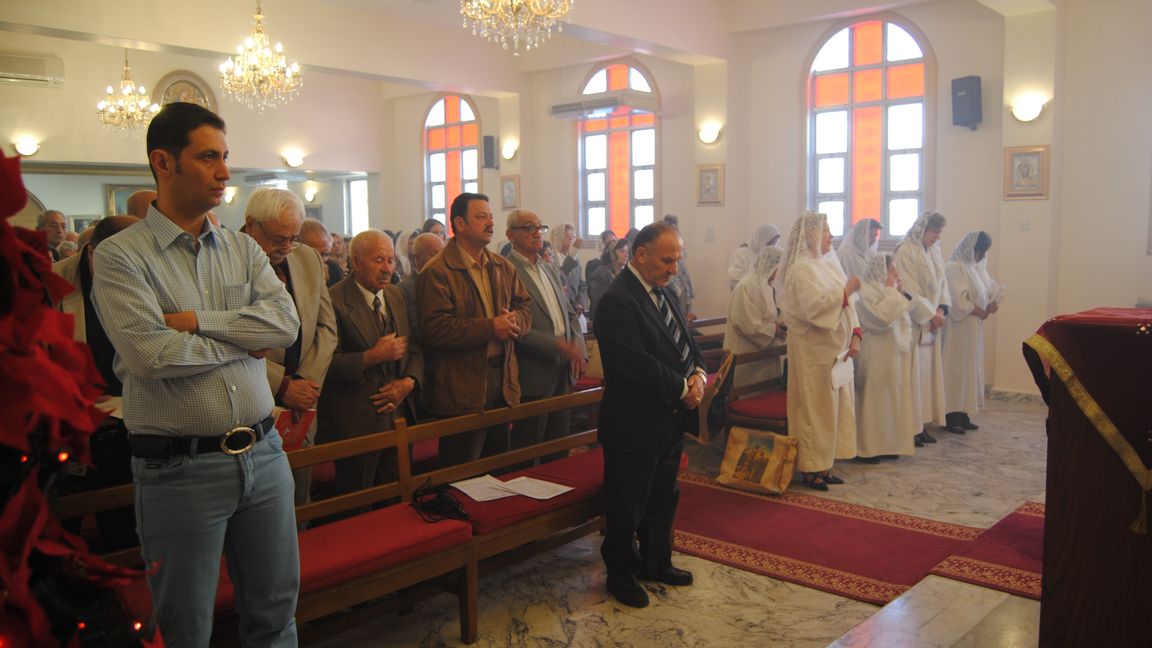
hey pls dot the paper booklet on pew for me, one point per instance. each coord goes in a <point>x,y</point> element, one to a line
<point>293,426</point>
<point>488,488</point>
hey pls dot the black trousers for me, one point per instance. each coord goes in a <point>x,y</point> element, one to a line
<point>641,493</point>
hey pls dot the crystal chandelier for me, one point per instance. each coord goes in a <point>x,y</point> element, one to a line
<point>259,76</point>
<point>523,23</point>
<point>132,108</point>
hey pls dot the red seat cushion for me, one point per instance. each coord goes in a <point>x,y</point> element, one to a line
<point>587,382</point>
<point>325,472</point>
<point>426,450</point>
<point>584,472</point>
<point>772,405</point>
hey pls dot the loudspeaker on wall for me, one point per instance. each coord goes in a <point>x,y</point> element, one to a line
<point>966,102</point>
<point>491,152</point>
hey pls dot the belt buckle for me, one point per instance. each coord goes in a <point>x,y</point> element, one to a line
<point>243,429</point>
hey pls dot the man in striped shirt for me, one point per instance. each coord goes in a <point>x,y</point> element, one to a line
<point>192,310</point>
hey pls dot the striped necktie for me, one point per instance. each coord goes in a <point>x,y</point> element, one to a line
<point>673,326</point>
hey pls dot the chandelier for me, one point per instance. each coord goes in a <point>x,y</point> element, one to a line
<point>523,23</point>
<point>259,76</point>
<point>132,108</point>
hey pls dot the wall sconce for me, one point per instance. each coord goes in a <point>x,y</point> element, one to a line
<point>26,146</point>
<point>294,158</point>
<point>310,191</point>
<point>710,132</point>
<point>1026,108</point>
<point>229,194</point>
<point>509,148</point>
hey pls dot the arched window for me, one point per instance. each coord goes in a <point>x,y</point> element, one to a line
<point>451,157</point>
<point>866,111</point>
<point>618,154</point>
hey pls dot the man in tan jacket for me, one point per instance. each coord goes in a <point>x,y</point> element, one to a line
<point>472,310</point>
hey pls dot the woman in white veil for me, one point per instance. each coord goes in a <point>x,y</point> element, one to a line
<point>743,257</point>
<point>822,332</point>
<point>885,419</point>
<point>858,246</point>
<point>921,267</point>
<point>974,297</point>
<point>753,320</point>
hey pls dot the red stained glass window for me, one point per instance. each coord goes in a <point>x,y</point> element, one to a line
<point>867,100</point>
<point>451,156</point>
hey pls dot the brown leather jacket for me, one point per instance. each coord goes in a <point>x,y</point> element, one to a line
<point>455,330</point>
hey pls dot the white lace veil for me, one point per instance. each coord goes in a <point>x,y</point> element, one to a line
<point>767,261</point>
<point>804,243</point>
<point>761,235</point>
<point>876,271</point>
<point>977,271</point>
<point>857,238</point>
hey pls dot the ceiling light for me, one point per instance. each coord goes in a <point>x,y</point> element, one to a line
<point>520,23</point>
<point>129,109</point>
<point>259,76</point>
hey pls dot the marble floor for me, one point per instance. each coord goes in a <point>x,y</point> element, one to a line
<point>558,598</point>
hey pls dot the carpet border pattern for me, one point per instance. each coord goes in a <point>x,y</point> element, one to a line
<point>990,575</point>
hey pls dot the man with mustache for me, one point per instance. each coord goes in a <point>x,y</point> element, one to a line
<point>472,308</point>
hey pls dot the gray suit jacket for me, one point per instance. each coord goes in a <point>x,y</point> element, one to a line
<point>345,409</point>
<point>317,321</point>
<point>540,362</point>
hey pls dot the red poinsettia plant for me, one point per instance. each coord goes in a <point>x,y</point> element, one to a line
<point>48,387</point>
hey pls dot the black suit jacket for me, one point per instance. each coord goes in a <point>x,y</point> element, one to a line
<point>641,411</point>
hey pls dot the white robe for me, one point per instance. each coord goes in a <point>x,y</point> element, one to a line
<point>852,260</point>
<point>923,274</point>
<point>885,414</point>
<point>752,326</point>
<point>822,419</point>
<point>740,264</point>
<point>963,347</point>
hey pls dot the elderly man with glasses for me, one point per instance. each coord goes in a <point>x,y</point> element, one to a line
<point>274,218</point>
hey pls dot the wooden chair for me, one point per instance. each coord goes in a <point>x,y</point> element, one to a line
<point>717,388</point>
<point>762,405</point>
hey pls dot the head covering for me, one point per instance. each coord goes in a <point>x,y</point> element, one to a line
<point>761,236</point>
<point>876,270</point>
<point>977,271</point>
<point>804,243</point>
<point>858,240</point>
<point>916,232</point>
<point>876,276</point>
<point>767,261</point>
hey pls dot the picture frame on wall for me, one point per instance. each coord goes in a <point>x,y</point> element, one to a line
<point>1026,172</point>
<point>83,222</point>
<point>510,192</point>
<point>185,86</point>
<point>116,197</point>
<point>314,212</point>
<point>709,185</point>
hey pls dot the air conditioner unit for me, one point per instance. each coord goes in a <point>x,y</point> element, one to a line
<point>602,105</point>
<point>42,71</point>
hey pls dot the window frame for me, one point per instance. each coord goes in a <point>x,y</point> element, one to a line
<point>426,152</point>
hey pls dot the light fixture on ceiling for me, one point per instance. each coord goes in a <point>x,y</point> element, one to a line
<point>1027,107</point>
<point>515,24</point>
<point>259,76</point>
<point>26,146</point>
<point>509,148</point>
<point>709,132</point>
<point>294,158</point>
<point>129,109</point>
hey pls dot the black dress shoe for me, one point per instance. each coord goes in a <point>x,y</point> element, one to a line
<point>890,457</point>
<point>918,441</point>
<point>969,425</point>
<point>628,591</point>
<point>927,438</point>
<point>829,478</point>
<point>670,576</point>
<point>955,429</point>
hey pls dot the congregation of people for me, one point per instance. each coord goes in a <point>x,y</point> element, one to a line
<point>347,333</point>
<point>882,350</point>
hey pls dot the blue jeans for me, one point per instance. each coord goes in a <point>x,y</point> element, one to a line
<point>192,509</point>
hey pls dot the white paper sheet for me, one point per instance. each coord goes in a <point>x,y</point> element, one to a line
<point>483,489</point>
<point>843,370</point>
<point>536,488</point>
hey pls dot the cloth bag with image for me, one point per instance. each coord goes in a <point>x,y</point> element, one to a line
<point>758,461</point>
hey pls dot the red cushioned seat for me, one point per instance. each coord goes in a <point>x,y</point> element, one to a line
<point>427,450</point>
<point>325,472</point>
<point>773,405</point>
<point>587,382</point>
<point>584,472</point>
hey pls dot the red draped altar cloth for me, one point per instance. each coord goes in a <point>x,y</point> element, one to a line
<point>1095,371</point>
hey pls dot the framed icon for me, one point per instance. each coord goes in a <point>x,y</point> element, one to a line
<point>1026,173</point>
<point>710,184</point>
<point>186,86</point>
<point>510,192</point>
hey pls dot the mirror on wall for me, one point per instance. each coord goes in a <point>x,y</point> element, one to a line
<point>88,192</point>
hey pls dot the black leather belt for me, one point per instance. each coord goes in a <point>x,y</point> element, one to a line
<point>237,441</point>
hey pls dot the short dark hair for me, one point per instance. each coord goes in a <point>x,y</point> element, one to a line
<point>170,127</point>
<point>106,227</point>
<point>460,206</point>
<point>983,242</point>
<point>430,223</point>
<point>652,232</point>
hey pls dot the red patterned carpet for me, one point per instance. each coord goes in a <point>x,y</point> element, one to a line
<point>853,551</point>
<point>1007,557</point>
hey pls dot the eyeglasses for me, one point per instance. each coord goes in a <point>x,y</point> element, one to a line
<point>531,229</point>
<point>280,242</point>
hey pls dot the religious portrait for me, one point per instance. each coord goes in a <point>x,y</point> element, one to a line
<point>1025,172</point>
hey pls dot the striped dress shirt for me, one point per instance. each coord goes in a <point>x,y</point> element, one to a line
<point>183,384</point>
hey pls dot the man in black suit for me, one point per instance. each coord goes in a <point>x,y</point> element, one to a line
<point>654,377</point>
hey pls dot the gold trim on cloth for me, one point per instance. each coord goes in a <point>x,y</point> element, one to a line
<point>1100,421</point>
